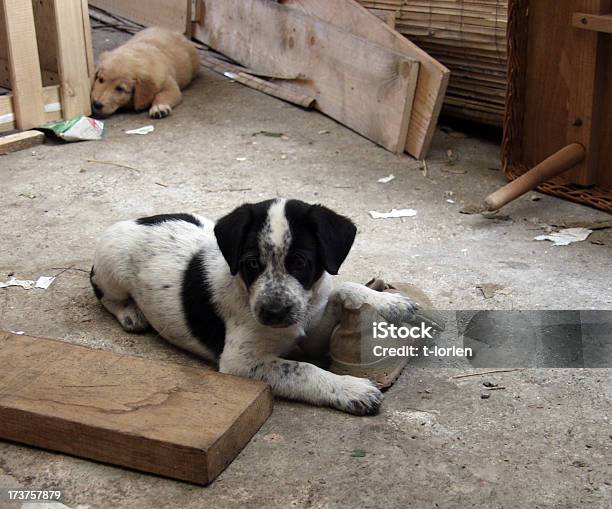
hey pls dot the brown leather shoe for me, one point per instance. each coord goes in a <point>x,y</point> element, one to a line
<point>352,342</point>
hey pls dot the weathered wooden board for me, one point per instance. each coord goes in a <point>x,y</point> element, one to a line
<point>433,76</point>
<point>23,63</point>
<point>173,14</point>
<point>159,417</point>
<point>360,84</point>
<point>20,141</point>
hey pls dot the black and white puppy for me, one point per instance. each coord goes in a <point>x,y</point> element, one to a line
<point>243,291</point>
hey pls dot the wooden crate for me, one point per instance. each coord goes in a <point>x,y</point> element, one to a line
<point>46,61</point>
<point>560,77</point>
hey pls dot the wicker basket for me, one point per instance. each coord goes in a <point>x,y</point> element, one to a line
<point>517,158</point>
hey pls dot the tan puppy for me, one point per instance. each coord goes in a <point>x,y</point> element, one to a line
<point>148,71</point>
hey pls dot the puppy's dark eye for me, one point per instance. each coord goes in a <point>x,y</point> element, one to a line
<point>297,263</point>
<point>100,80</point>
<point>251,264</point>
<point>119,88</point>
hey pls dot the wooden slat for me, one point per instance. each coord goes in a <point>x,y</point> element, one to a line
<point>20,141</point>
<point>360,84</point>
<point>25,76</point>
<point>88,41</point>
<point>173,14</point>
<point>72,58</point>
<point>598,23</point>
<point>433,76</point>
<point>160,417</point>
<point>53,110</point>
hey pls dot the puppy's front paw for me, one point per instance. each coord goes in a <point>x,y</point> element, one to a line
<point>396,308</point>
<point>358,396</point>
<point>160,111</point>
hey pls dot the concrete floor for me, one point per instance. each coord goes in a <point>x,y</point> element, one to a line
<point>544,442</point>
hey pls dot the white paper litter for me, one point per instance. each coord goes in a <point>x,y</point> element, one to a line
<point>567,236</point>
<point>142,130</point>
<point>386,180</point>
<point>394,213</point>
<point>26,284</point>
<point>43,282</point>
<point>450,201</point>
<point>17,332</point>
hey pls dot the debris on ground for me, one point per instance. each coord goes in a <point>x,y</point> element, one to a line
<point>146,129</point>
<point>79,128</point>
<point>358,453</point>
<point>484,395</point>
<point>270,134</point>
<point>386,180</point>
<point>489,290</point>
<point>393,214</point>
<point>324,131</point>
<point>589,225</point>
<point>489,384</point>
<point>448,200</point>
<point>567,236</point>
<point>43,282</point>
<point>472,208</point>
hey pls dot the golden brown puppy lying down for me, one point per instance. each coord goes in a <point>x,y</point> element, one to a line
<point>148,71</point>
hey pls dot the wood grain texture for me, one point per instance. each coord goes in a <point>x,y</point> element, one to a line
<point>24,67</point>
<point>172,14</point>
<point>159,417</point>
<point>360,84</point>
<point>564,86</point>
<point>433,77</point>
<point>53,109</point>
<point>595,22</point>
<point>73,60</point>
<point>20,141</point>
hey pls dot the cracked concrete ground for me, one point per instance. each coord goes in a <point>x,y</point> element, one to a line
<point>545,441</point>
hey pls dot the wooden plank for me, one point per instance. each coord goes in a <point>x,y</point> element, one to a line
<point>20,141</point>
<point>360,84</point>
<point>433,76</point>
<point>596,22</point>
<point>25,76</point>
<point>173,14</point>
<point>91,66</point>
<point>53,108</point>
<point>271,89</point>
<point>160,417</point>
<point>72,58</point>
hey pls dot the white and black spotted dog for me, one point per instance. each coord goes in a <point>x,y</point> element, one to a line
<point>243,291</point>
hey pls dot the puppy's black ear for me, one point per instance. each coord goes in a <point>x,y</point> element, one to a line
<point>335,235</point>
<point>230,231</point>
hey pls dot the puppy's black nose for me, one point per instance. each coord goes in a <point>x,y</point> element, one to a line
<point>274,314</point>
<point>97,105</point>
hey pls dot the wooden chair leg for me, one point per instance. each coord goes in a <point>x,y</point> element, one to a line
<point>561,161</point>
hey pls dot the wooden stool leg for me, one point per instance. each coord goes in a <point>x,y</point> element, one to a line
<point>560,161</point>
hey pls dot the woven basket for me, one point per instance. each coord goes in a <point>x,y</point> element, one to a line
<point>513,159</point>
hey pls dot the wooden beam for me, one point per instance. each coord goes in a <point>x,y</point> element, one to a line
<point>160,417</point>
<point>72,58</point>
<point>20,141</point>
<point>433,76</point>
<point>24,66</point>
<point>91,70</point>
<point>360,84</point>
<point>595,22</point>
